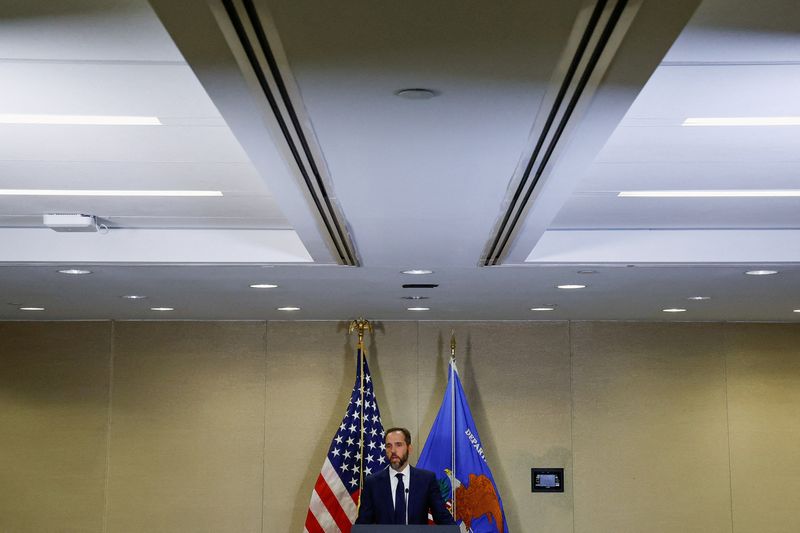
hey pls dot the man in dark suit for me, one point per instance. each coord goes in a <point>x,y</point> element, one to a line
<point>401,494</point>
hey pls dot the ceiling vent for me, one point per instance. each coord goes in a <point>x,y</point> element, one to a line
<point>582,65</point>
<point>252,38</point>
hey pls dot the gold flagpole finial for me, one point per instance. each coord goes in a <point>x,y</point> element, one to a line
<point>361,325</point>
<point>453,343</point>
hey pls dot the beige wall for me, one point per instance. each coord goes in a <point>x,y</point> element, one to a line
<point>223,426</point>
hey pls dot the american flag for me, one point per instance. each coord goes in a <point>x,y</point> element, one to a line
<point>355,452</point>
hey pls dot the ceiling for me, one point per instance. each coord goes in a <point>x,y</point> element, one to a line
<point>504,183</point>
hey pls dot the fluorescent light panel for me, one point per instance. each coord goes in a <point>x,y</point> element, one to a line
<point>720,193</point>
<point>80,120</point>
<point>102,192</point>
<point>741,121</point>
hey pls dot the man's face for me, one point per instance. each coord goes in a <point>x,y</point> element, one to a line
<point>397,450</point>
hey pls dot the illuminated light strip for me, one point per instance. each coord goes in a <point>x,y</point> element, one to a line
<point>722,193</point>
<point>742,121</point>
<point>99,192</point>
<point>80,120</point>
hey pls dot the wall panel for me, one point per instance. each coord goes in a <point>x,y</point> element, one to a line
<point>764,397</point>
<point>54,381</point>
<point>187,438</point>
<point>650,428</point>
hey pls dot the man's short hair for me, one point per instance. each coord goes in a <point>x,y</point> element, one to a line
<point>406,433</point>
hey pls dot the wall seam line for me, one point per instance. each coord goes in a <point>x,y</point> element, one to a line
<point>419,424</point>
<point>571,419</point>
<point>264,420</point>
<point>112,347</point>
<point>725,329</point>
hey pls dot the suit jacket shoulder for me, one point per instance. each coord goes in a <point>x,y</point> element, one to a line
<point>377,476</point>
<point>375,507</point>
<point>421,473</point>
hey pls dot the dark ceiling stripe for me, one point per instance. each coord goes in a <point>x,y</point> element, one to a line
<point>310,171</point>
<point>527,183</point>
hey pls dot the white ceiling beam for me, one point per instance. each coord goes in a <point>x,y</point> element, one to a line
<point>652,31</point>
<point>196,31</point>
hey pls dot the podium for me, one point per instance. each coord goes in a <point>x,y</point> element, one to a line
<point>423,528</point>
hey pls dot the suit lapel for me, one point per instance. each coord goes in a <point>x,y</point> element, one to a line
<point>387,490</point>
<point>414,494</point>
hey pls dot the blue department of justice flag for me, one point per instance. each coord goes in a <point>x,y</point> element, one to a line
<point>355,452</point>
<point>470,489</point>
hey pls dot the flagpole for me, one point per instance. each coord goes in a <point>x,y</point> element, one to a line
<point>361,324</point>
<point>453,418</point>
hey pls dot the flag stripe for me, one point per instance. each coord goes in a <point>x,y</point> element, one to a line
<point>312,526</point>
<point>326,521</point>
<point>338,489</point>
<point>332,504</point>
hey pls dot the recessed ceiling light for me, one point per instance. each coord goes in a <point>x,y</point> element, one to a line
<point>419,308</point>
<point>573,286</point>
<point>104,192</point>
<point>416,93</point>
<point>263,286</point>
<point>31,308</point>
<point>417,271</point>
<point>587,271</point>
<point>415,297</point>
<point>162,308</point>
<point>288,309</point>
<point>796,311</point>
<point>80,120</point>
<point>716,193</point>
<point>742,121</point>
<point>544,308</point>
<point>761,272</point>
<point>134,296</point>
<point>698,298</point>
<point>74,271</point>
<point>674,310</point>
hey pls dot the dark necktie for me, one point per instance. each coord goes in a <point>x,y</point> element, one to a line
<point>400,501</point>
